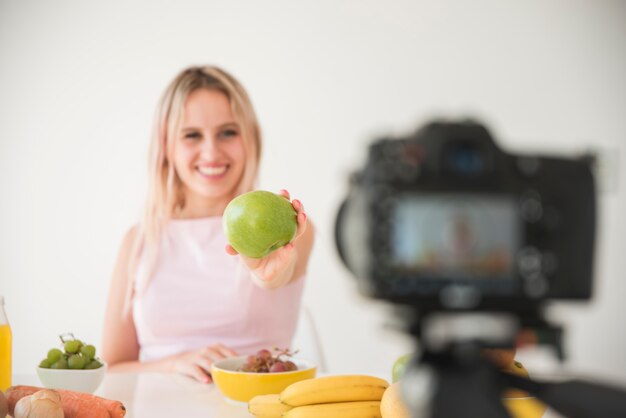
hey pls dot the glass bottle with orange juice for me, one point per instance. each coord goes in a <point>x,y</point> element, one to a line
<point>5,349</point>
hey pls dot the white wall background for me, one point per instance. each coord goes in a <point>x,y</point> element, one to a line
<point>79,82</point>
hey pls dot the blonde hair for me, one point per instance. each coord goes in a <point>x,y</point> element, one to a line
<point>165,193</point>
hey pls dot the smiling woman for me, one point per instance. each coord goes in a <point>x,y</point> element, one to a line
<point>181,297</point>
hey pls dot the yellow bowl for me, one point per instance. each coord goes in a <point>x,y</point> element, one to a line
<point>525,407</point>
<point>243,386</point>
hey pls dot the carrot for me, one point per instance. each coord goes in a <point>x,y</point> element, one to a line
<point>75,404</point>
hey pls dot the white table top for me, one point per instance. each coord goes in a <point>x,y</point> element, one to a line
<point>162,395</point>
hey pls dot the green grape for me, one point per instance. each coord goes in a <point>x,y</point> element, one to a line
<point>88,351</point>
<point>75,355</point>
<point>94,364</point>
<point>76,362</point>
<point>54,355</point>
<point>60,364</point>
<point>72,346</point>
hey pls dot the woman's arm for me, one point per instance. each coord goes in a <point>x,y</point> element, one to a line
<point>120,348</point>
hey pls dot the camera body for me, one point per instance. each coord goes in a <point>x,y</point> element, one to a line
<point>444,219</point>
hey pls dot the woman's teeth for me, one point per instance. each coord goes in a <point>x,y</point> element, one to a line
<point>212,171</point>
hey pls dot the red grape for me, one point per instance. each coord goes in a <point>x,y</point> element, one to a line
<point>264,362</point>
<point>264,354</point>
<point>279,366</point>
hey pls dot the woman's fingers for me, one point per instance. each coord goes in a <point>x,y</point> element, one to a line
<point>285,193</point>
<point>215,352</point>
<point>224,351</point>
<point>300,214</point>
<point>197,364</point>
<point>230,250</point>
<point>201,369</point>
<point>194,366</point>
<point>203,364</point>
<point>200,373</point>
<point>301,219</point>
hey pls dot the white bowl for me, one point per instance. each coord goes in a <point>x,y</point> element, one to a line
<point>78,380</point>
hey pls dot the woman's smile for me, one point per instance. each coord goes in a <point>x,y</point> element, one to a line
<point>213,171</point>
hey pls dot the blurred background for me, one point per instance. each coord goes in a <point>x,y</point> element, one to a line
<point>79,82</point>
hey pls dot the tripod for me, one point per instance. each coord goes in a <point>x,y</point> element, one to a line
<point>451,378</point>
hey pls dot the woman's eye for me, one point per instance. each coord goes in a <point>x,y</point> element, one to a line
<point>228,133</point>
<point>192,135</point>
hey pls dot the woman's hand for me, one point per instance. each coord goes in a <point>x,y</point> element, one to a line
<point>197,364</point>
<point>276,269</point>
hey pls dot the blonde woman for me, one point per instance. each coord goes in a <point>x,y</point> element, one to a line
<point>180,296</point>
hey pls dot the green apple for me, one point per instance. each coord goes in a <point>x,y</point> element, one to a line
<point>399,367</point>
<point>259,222</point>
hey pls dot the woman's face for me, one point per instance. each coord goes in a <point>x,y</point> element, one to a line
<point>209,154</point>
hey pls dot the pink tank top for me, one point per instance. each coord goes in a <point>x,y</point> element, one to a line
<point>199,296</point>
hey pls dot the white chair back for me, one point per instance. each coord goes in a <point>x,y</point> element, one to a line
<point>307,340</point>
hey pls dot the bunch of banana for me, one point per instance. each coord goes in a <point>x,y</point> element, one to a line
<point>267,406</point>
<point>343,396</point>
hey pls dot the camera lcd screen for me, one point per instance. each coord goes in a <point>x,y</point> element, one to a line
<point>455,236</point>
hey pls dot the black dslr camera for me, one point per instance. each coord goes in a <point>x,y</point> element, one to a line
<point>469,242</point>
<point>445,219</point>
